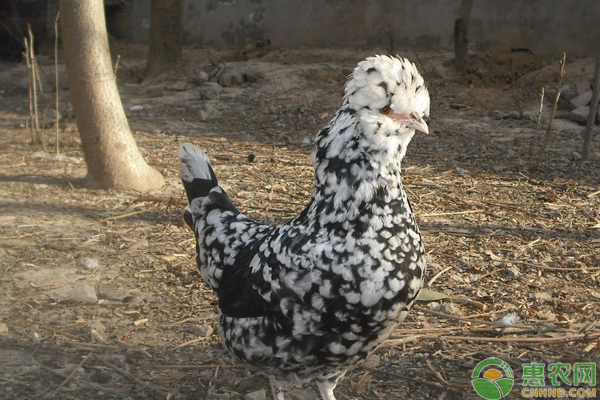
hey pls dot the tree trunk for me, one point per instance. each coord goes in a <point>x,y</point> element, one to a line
<point>461,35</point>
<point>111,153</point>
<point>165,36</point>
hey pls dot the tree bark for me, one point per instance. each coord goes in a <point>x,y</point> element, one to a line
<point>164,47</point>
<point>461,35</point>
<point>111,153</point>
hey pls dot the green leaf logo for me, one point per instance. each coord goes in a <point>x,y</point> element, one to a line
<point>492,379</point>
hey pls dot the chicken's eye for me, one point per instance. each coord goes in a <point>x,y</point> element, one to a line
<point>386,110</point>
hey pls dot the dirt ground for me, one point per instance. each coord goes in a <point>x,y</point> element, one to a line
<point>100,297</point>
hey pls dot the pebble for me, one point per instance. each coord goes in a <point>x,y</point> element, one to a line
<point>581,100</point>
<point>98,332</point>
<point>91,263</point>
<point>580,114</point>
<point>303,394</point>
<point>205,111</point>
<point>372,361</point>
<point>202,78</point>
<point>512,272</point>
<point>231,77</point>
<point>257,395</point>
<point>210,91</point>
<point>177,86</point>
<point>203,330</point>
<point>3,328</point>
<point>82,293</point>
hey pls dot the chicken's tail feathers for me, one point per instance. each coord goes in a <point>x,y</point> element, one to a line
<point>195,171</point>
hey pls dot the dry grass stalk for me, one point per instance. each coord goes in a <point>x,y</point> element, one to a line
<point>541,109</point>
<point>33,120</point>
<point>542,154</point>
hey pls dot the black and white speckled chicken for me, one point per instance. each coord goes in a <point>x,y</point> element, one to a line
<point>312,298</point>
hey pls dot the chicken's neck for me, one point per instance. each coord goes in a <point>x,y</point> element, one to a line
<point>352,171</point>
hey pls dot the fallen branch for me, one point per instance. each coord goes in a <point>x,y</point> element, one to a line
<point>121,216</point>
<point>542,266</point>
<point>72,374</point>
<point>576,337</point>
<point>145,385</point>
<point>92,385</point>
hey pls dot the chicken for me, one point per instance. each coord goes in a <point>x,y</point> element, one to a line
<point>313,297</point>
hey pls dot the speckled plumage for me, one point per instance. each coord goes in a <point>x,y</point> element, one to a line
<point>313,297</point>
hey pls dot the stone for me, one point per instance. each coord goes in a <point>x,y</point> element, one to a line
<point>3,328</point>
<point>155,91</point>
<point>251,75</point>
<point>257,395</point>
<point>205,111</point>
<point>580,114</point>
<point>202,78</point>
<point>512,114</point>
<point>91,263</point>
<point>373,361</point>
<point>97,332</point>
<point>82,293</point>
<point>582,87</point>
<point>568,92</point>
<point>210,91</point>
<point>179,86</point>
<point>203,330</point>
<point>582,100</point>
<point>231,77</point>
<point>512,272</point>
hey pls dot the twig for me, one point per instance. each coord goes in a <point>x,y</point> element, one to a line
<point>195,366</point>
<point>451,213</point>
<point>32,130</point>
<point>439,377</point>
<point>145,385</point>
<point>542,154</point>
<point>90,346</point>
<point>34,79</point>
<point>120,216</point>
<point>400,341</point>
<point>540,111</point>
<point>117,65</point>
<point>542,266</point>
<point>72,374</point>
<point>436,276</point>
<point>557,339</point>
<point>448,316</point>
<point>201,339</point>
<point>92,385</point>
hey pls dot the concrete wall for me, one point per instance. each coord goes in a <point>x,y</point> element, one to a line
<point>543,26</point>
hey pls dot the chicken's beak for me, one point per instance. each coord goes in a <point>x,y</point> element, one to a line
<point>418,124</point>
<point>412,121</point>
